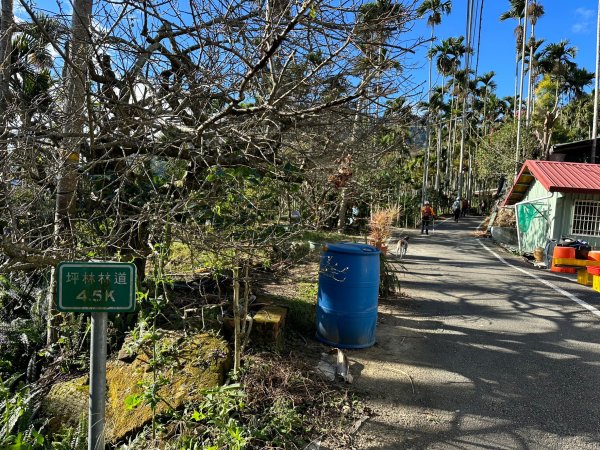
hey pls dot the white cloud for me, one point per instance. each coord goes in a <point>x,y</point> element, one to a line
<point>583,12</point>
<point>584,20</point>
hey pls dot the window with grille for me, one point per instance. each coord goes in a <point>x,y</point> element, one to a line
<point>586,218</point>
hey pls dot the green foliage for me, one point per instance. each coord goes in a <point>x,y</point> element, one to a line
<point>389,283</point>
<point>496,154</point>
<point>153,302</point>
<point>308,291</point>
<point>73,337</point>
<point>218,417</point>
<point>71,438</point>
<point>217,261</point>
<point>576,118</point>
<point>21,430</point>
<point>22,326</point>
<point>17,406</point>
<point>301,316</point>
<point>547,92</point>
<point>325,236</point>
<point>282,421</point>
<point>278,406</point>
<point>239,198</point>
<point>180,259</point>
<point>31,61</point>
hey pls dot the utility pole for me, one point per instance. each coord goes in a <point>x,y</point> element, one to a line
<point>595,124</point>
<point>470,9</point>
<point>426,158</point>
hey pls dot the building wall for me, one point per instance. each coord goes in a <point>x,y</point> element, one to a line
<point>541,226</point>
<point>565,218</point>
<point>554,219</point>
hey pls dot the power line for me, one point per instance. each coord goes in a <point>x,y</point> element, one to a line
<point>479,37</point>
<point>469,42</point>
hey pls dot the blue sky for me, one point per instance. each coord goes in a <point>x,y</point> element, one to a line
<point>574,20</point>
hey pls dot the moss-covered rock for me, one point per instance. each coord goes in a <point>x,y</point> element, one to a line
<point>186,366</point>
<point>67,403</point>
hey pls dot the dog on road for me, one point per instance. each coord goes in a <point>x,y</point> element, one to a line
<point>401,246</point>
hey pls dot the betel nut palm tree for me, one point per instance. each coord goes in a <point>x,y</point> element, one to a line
<point>449,53</point>
<point>445,60</point>
<point>458,51</point>
<point>434,10</point>
<point>532,58</point>
<point>488,86</point>
<point>555,63</point>
<point>557,60</point>
<point>535,11</point>
<point>436,108</point>
<point>516,11</point>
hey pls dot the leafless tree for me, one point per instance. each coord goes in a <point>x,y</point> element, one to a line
<point>195,123</point>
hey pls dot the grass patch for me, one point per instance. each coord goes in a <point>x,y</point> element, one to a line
<point>301,308</point>
<point>329,236</point>
<point>180,259</point>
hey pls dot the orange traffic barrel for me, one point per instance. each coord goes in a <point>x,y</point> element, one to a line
<point>594,274</point>
<point>563,252</point>
<point>594,255</point>
<point>593,270</point>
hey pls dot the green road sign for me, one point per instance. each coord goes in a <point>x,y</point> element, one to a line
<point>95,287</point>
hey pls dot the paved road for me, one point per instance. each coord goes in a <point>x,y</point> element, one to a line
<point>483,356</point>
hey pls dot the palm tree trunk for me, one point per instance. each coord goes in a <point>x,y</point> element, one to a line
<point>530,75</point>
<point>532,87</point>
<point>75,109</point>
<point>519,119</point>
<point>451,133</point>
<point>485,99</point>
<point>448,153</point>
<point>516,78</point>
<point>438,161</point>
<point>438,166</point>
<point>453,178</point>
<point>426,168</point>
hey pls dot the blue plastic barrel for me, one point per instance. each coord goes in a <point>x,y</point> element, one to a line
<point>348,293</point>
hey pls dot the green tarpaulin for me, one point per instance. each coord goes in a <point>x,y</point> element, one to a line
<point>526,213</point>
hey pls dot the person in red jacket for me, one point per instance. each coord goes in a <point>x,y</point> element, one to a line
<point>427,215</point>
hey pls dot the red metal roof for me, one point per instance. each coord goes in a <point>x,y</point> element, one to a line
<point>555,177</point>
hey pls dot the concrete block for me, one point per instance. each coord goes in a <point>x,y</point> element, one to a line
<point>505,235</point>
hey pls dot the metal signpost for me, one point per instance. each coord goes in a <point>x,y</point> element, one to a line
<point>99,288</point>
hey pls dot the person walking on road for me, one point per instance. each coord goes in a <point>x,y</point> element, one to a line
<point>465,207</point>
<point>456,208</point>
<point>427,215</point>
